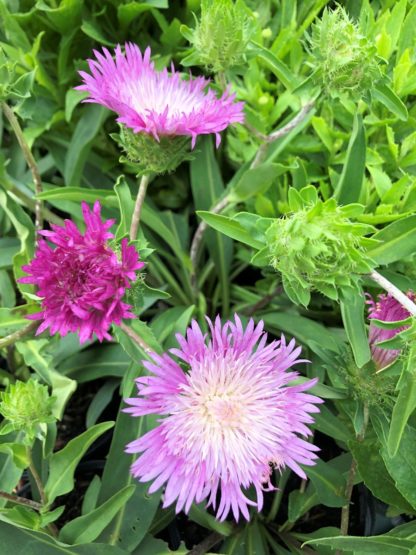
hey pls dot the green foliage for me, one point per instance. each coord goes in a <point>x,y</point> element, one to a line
<point>317,247</point>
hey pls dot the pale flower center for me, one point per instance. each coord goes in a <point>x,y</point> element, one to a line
<point>222,410</point>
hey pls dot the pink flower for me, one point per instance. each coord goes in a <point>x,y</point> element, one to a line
<point>81,280</point>
<point>228,419</point>
<point>156,102</point>
<point>386,309</point>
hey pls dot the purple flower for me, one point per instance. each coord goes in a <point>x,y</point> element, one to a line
<point>386,309</point>
<point>228,419</point>
<point>156,102</point>
<point>82,281</point>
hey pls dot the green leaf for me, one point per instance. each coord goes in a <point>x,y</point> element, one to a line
<point>64,17</point>
<point>199,515</point>
<point>282,72</point>
<point>86,528</point>
<point>126,207</point>
<point>350,183</point>
<point>126,13</point>
<point>402,467</point>
<point>25,231</point>
<point>207,187</point>
<point>33,352</point>
<point>229,227</point>
<point>80,145</point>
<point>307,331</point>
<point>352,311</point>
<point>397,241</point>
<point>374,473</point>
<point>403,408</point>
<point>20,540</point>
<point>79,194</point>
<point>97,362</point>
<point>9,247</point>
<point>384,94</point>
<point>63,463</point>
<point>300,502</point>
<point>256,181</point>
<point>100,401</point>
<point>328,482</point>
<point>383,545</point>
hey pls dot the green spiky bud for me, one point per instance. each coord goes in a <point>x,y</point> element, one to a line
<point>317,247</point>
<point>26,405</point>
<point>345,59</point>
<point>221,35</point>
<point>147,155</point>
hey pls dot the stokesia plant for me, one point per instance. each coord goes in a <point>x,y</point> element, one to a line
<point>223,362</point>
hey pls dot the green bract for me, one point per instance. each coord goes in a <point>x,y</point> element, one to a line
<point>317,247</point>
<point>26,405</point>
<point>150,156</point>
<point>221,35</point>
<point>345,59</point>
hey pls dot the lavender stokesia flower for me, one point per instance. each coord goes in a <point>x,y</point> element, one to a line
<point>387,309</point>
<point>228,420</point>
<point>156,102</point>
<point>82,280</point>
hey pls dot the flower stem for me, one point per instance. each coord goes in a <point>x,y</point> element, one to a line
<point>36,477</point>
<point>136,338</point>
<point>31,162</point>
<point>345,511</point>
<point>19,334</point>
<point>206,544</point>
<point>403,299</point>
<point>279,133</point>
<point>21,501</point>
<point>141,194</point>
<point>39,485</point>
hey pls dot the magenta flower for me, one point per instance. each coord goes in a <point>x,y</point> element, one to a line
<point>82,280</point>
<point>386,309</point>
<point>156,102</point>
<point>228,420</point>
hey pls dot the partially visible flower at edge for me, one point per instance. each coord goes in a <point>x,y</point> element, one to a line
<point>156,102</point>
<point>227,421</point>
<point>387,309</point>
<point>82,280</point>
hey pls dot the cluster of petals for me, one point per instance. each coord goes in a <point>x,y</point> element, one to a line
<point>81,279</point>
<point>387,309</point>
<point>157,102</point>
<point>226,421</point>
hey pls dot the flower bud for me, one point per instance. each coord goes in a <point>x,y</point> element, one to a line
<point>317,247</point>
<point>221,35</point>
<point>345,59</point>
<point>26,405</point>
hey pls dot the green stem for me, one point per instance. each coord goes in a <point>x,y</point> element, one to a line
<point>17,335</point>
<point>345,511</point>
<point>21,501</point>
<point>141,194</point>
<point>136,338</point>
<point>31,162</point>
<point>39,485</point>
